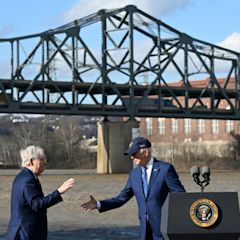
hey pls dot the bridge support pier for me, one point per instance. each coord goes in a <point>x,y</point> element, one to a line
<point>113,140</point>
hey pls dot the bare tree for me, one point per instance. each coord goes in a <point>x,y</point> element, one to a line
<point>69,136</point>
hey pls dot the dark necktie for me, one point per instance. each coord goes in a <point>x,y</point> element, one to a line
<point>145,181</point>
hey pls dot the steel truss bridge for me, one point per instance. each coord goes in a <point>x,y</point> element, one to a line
<point>120,62</point>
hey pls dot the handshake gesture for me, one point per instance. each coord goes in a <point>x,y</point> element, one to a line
<point>90,205</point>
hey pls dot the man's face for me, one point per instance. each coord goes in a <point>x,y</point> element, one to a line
<point>141,157</point>
<point>39,165</point>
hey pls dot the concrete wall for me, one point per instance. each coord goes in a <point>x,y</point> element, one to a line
<point>113,140</point>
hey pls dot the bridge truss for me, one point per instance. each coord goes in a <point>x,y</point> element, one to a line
<point>120,62</point>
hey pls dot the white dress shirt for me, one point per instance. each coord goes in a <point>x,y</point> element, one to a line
<point>149,169</point>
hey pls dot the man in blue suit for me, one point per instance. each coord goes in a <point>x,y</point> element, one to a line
<point>150,183</point>
<point>28,205</point>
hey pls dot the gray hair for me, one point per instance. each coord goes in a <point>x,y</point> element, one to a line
<point>29,153</point>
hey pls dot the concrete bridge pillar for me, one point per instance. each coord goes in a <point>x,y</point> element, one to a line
<point>113,140</point>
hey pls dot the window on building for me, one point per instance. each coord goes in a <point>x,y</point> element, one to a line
<point>149,126</point>
<point>229,126</point>
<point>174,125</point>
<point>201,126</point>
<point>215,126</point>
<point>187,140</point>
<point>161,126</point>
<point>187,125</point>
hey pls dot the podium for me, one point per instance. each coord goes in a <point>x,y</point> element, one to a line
<point>201,216</point>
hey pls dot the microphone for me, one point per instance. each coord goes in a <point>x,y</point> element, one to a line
<point>195,172</point>
<point>206,175</point>
<point>205,172</point>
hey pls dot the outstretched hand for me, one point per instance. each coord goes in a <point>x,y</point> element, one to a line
<point>90,205</point>
<point>66,185</point>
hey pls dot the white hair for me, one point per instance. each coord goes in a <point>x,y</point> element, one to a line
<point>30,153</point>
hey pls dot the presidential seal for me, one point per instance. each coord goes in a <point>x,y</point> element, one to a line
<point>204,212</point>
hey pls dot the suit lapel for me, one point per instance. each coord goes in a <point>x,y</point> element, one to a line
<point>154,173</point>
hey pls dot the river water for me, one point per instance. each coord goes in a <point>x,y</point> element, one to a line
<point>67,221</point>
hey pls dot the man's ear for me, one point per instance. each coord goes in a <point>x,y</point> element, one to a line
<point>147,151</point>
<point>31,162</point>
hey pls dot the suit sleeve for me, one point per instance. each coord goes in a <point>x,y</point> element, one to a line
<point>115,202</point>
<point>34,197</point>
<point>173,181</point>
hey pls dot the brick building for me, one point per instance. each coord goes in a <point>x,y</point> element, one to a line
<point>190,130</point>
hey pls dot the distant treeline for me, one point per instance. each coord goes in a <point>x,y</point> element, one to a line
<point>59,136</point>
<point>218,155</point>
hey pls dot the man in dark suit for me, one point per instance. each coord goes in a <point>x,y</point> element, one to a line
<point>149,182</point>
<point>28,205</point>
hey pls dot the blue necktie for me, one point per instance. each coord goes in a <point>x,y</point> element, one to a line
<point>145,181</point>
